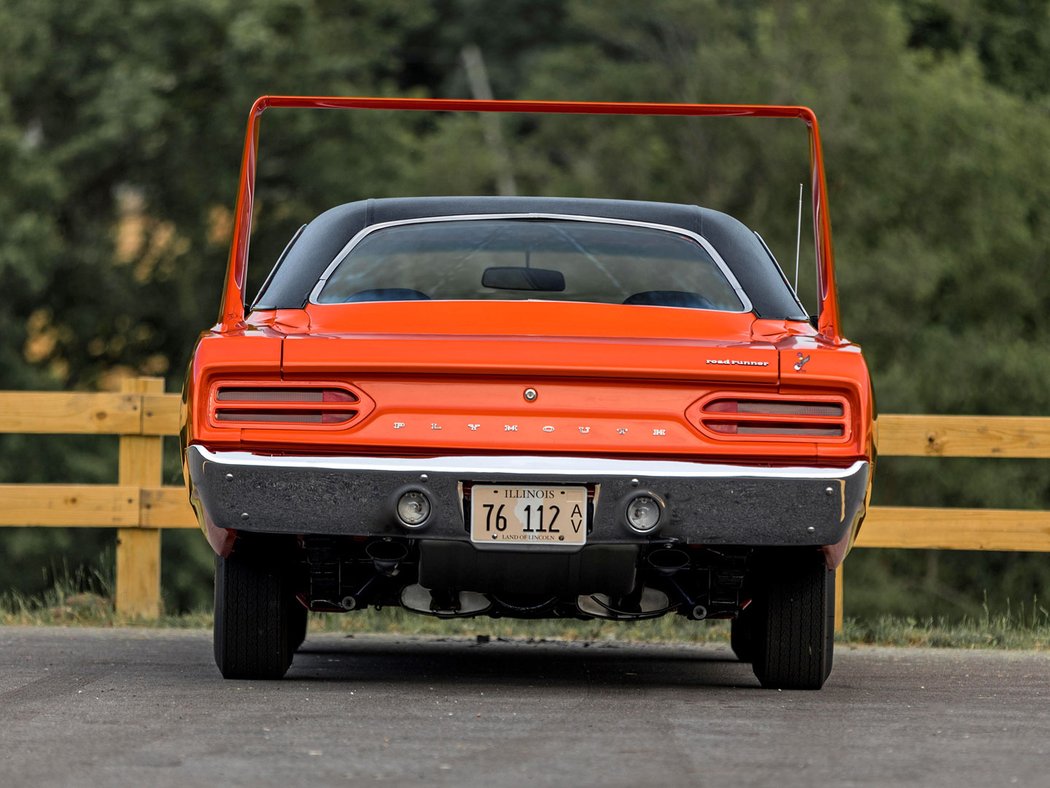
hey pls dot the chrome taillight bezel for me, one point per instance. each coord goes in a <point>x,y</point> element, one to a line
<point>794,418</point>
<point>321,405</point>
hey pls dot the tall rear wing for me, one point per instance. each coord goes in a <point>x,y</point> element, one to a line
<point>231,316</point>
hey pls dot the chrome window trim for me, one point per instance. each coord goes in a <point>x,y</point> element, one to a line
<point>703,242</point>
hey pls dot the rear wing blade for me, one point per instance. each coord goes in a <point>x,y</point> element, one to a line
<point>231,316</point>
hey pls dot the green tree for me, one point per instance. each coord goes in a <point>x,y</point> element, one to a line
<point>1010,37</point>
<point>120,135</point>
<point>939,179</point>
<point>120,132</point>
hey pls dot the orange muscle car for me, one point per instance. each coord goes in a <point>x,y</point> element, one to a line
<point>530,407</point>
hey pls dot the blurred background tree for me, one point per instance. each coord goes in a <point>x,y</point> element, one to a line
<point>120,133</point>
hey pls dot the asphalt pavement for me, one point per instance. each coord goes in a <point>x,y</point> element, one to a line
<point>141,707</point>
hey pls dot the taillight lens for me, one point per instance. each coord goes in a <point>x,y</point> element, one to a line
<point>774,408</point>
<point>285,405</point>
<point>775,417</point>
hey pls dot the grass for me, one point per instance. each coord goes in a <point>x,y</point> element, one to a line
<point>84,608</point>
<point>84,598</point>
<point>1011,630</point>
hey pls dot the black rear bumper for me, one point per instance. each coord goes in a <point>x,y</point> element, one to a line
<point>705,503</point>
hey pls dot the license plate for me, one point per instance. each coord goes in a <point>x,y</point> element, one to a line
<point>528,515</point>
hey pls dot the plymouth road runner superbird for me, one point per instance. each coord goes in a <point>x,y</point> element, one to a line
<point>530,407</point>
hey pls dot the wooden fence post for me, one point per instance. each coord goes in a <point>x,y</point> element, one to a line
<point>138,549</point>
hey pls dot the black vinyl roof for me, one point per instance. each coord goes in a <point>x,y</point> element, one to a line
<point>289,285</point>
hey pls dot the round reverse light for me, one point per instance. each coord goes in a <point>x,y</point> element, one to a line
<point>643,513</point>
<point>413,508</point>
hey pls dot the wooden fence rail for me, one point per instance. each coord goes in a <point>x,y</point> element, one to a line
<point>139,506</point>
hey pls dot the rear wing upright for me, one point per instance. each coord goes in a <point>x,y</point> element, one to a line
<point>231,316</point>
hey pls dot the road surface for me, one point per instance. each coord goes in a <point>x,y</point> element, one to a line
<point>136,707</point>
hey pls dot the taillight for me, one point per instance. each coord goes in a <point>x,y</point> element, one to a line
<point>277,405</point>
<point>774,417</point>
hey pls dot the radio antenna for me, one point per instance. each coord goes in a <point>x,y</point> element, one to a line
<point>798,237</point>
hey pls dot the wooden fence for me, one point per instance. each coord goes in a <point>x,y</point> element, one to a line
<point>139,505</point>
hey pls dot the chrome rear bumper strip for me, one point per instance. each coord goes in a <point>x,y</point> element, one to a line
<point>705,503</point>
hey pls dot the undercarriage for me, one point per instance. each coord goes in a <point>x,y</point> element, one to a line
<point>779,600</point>
<point>452,579</point>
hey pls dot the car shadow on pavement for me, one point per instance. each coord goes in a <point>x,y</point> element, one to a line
<point>516,662</point>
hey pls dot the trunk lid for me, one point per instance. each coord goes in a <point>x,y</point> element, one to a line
<point>530,338</point>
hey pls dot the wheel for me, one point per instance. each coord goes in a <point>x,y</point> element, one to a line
<point>252,617</point>
<point>297,621</point>
<point>796,630</point>
<point>742,634</point>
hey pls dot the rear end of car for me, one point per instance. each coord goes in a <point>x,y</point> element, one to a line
<point>529,408</point>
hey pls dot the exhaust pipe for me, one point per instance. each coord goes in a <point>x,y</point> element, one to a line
<point>386,554</point>
<point>668,561</point>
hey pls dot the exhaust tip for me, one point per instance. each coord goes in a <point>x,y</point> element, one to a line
<point>386,550</point>
<point>668,560</point>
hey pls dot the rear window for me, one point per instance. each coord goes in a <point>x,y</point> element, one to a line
<point>520,259</point>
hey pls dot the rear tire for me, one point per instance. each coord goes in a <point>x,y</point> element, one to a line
<point>252,617</point>
<point>796,628</point>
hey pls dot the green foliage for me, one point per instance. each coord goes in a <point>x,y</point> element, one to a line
<point>120,135</point>
<point>1011,37</point>
<point>67,607</point>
